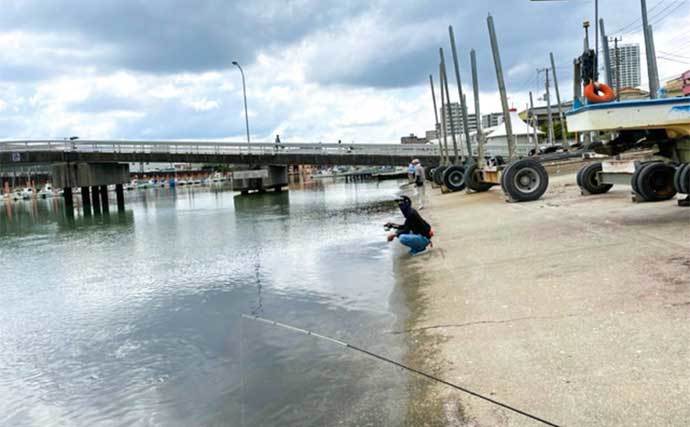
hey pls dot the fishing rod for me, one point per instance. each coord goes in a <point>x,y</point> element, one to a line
<point>398,364</point>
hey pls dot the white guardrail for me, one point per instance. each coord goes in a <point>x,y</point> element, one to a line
<point>214,147</point>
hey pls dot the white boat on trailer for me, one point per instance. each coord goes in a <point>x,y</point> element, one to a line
<point>669,114</point>
<point>659,124</point>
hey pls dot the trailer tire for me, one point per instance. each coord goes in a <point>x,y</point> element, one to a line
<point>685,180</point>
<point>472,178</point>
<point>525,180</point>
<point>428,174</point>
<point>578,177</point>
<point>636,174</point>
<point>438,175</point>
<point>454,178</point>
<point>588,180</point>
<point>655,182</point>
<point>677,183</point>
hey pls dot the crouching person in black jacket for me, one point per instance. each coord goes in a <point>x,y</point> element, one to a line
<point>415,233</point>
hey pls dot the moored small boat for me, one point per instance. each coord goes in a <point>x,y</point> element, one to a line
<point>46,192</point>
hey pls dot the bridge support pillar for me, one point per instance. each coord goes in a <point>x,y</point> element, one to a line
<point>273,177</point>
<point>86,201</point>
<point>120,195</point>
<point>96,199</point>
<point>69,201</point>
<point>104,199</point>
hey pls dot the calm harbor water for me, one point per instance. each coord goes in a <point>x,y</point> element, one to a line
<point>134,318</point>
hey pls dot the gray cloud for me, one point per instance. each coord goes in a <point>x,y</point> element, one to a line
<point>174,36</point>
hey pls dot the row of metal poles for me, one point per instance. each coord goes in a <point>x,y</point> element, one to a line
<point>480,137</point>
<point>445,103</point>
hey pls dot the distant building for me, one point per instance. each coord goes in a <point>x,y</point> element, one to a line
<point>629,65</point>
<point>412,139</point>
<point>542,113</point>
<point>491,120</point>
<point>431,134</point>
<point>453,116</point>
<point>628,93</point>
<point>675,86</point>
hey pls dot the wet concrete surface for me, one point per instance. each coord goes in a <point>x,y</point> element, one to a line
<point>573,308</point>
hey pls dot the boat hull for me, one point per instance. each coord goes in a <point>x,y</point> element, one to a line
<point>671,114</point>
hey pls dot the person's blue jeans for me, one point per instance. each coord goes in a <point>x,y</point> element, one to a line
<point>415,242</point>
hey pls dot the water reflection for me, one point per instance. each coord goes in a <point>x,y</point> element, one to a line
<point>44,215</point>
<point>134,318</point>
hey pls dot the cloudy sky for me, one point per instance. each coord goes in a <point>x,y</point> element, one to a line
<point>316,70</point>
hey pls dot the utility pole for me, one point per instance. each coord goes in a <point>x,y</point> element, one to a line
<point>433,98</point>
<point>533,120</point>
<point>443,116</point>
<point>450,116</point>
<point>561,116</point>
<point>501,88</point>
<point>607,57</point>
<point>547,97</point>
<point>654,64</point>
<point>463,105</point>
<point>618,69</point>
<point>596,38</point>
<point>649,49</point>
<point>577,87</point>
<point>477,112</point>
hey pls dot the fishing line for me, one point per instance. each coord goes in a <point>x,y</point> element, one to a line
<point>400,365</point>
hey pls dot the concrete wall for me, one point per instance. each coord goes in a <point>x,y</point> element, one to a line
<point>267,177</point>
<point>89,174</point>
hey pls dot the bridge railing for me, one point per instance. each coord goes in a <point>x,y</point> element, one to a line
<point>219,148</point>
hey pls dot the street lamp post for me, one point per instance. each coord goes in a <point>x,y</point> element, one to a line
<point>244,91</point>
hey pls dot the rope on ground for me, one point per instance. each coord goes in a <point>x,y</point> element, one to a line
<point>400,365</point>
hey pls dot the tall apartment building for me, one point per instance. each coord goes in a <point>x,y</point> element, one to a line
<point>491,120</point>
<point>629,65</point>
<point>453,113</point>
<point>456,116</point>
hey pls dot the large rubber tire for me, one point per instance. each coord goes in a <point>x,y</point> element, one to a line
<point>685,180</point>
<point>454,178</point>
<point>428,173</point>
<point>588,180</point>
<point>655,182</point>
<point>677,184</point>
<point>438,175</point>
<point>472,179</point>
<point>525,180</point>
<point>633,179</point>
<point>578,177</point>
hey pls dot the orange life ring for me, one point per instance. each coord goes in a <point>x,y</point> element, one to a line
<point>592,93</point>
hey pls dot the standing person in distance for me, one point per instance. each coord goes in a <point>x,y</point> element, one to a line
<point>410,172</point>
<point>419,183</point>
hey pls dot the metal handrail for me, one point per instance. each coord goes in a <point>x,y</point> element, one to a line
<point>216,147</point>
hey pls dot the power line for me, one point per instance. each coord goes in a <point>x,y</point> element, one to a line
<point>636,21</point>
<point>673,55</point>
<point>657,17</point>
<point>673,60</point>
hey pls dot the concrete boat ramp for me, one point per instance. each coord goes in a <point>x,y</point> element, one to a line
<point>573,308</point>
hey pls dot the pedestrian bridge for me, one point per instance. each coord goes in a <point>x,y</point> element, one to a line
<point>215,152</point>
